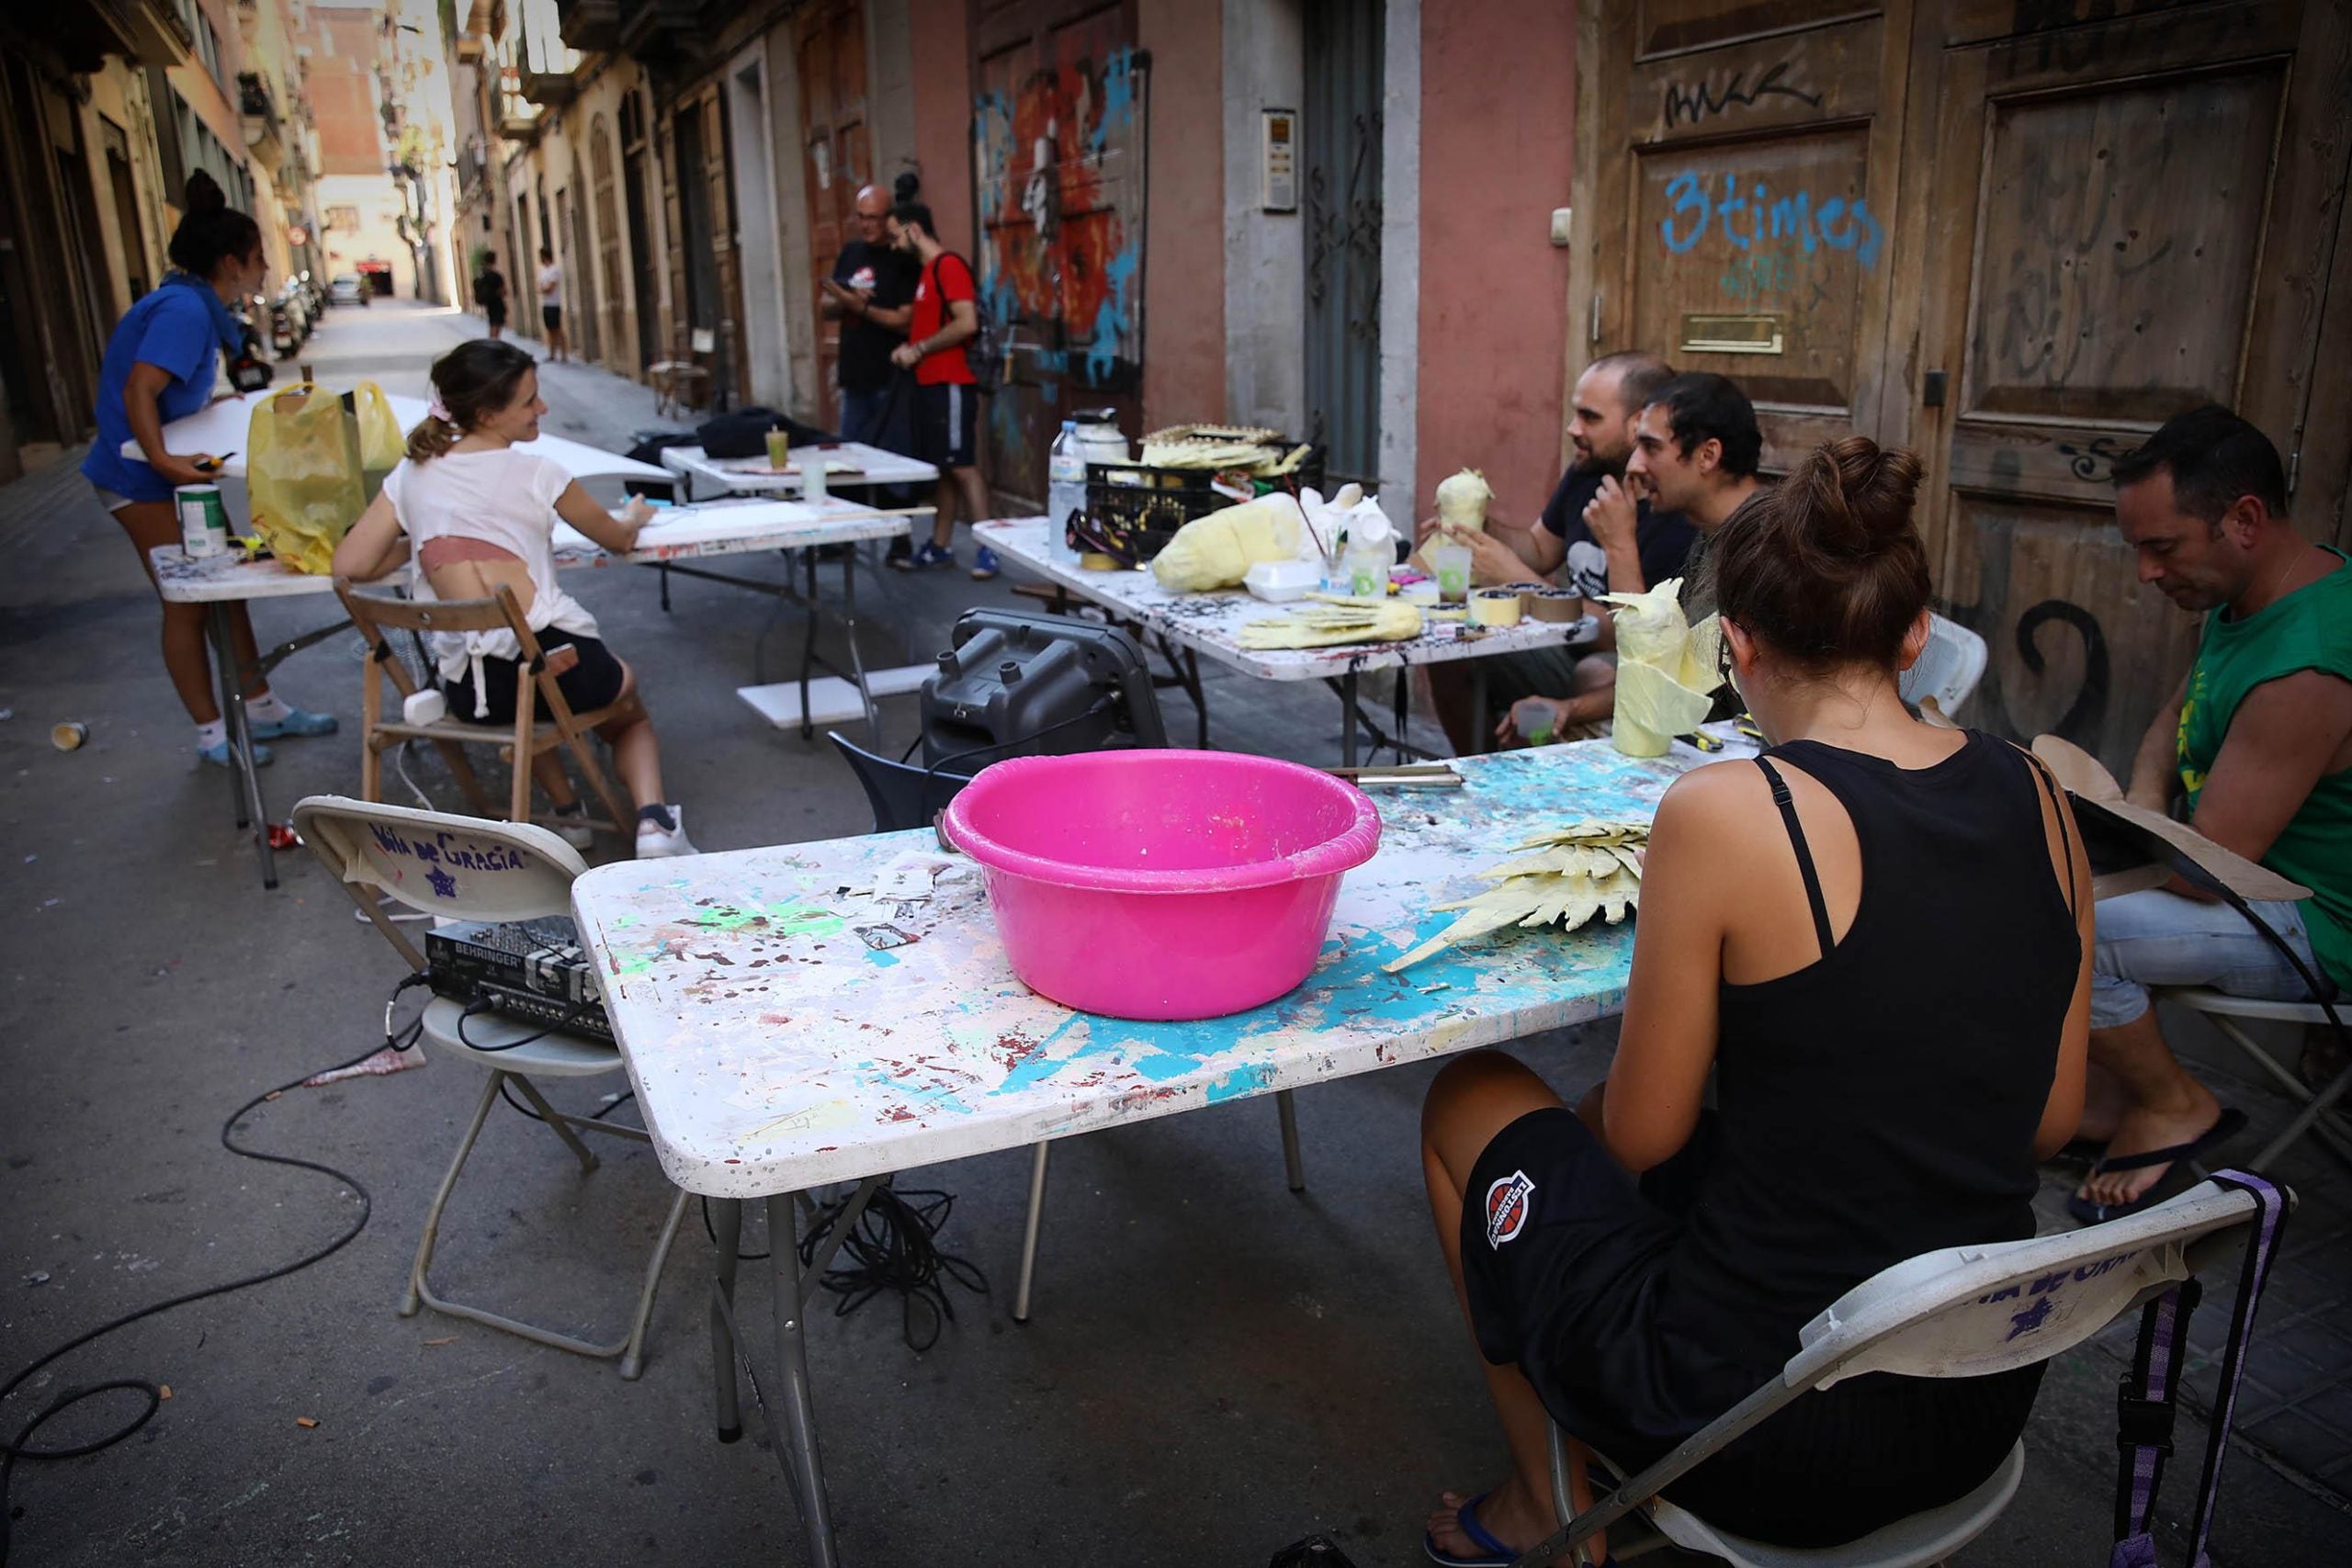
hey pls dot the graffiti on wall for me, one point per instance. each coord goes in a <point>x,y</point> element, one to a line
<point>1057,137</point>
<point>1755,217</point>
<point>1060,159</point>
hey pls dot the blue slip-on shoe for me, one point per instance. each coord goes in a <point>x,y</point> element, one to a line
<point>984,565</point>
<point>928,555</point>
<point>1497,1555</point>
<point>219,755</point>
<point>296,723</point>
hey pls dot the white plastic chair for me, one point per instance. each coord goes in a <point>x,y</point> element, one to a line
<point>2318,1113</point>
<point>1948,668</point>
<point>468,868</point>
<point>1962,1312</point>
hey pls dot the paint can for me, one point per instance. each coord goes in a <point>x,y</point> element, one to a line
<point>68,736</point>
<point>1495,607</point>
<point>204,520</point>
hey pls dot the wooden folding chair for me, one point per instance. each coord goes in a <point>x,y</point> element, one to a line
<point>374,615</point>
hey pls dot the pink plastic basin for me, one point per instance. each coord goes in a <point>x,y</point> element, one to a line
<point>1162,885</point>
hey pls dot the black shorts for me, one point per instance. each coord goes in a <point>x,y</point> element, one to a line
<point>944,418</point>
<point>551,316</point>
<point>593,683</point>
<point>1565,1259</point>
<point>495,314</point>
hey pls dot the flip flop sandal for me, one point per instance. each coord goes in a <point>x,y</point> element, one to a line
<point>2228,1125</point>
<point>1498,1555</point>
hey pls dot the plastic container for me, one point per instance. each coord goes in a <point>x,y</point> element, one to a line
<point>1162,885</point>
<point>1282,581</point>
<point>1065,489</point>
<point>1531,716</point>
<point>1450,564</point>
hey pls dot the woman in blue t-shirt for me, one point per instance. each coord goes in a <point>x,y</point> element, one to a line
<point>160,366</point>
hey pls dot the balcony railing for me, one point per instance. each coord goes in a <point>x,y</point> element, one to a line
<point>550,89</point>
<point>589,25</point>
<point>659,27</point>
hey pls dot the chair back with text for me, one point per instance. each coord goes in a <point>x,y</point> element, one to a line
<point>463,868</point>
<point>1973,1311</point>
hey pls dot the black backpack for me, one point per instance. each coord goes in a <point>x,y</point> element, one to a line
<point>743,432</point>
<point>984,351</point>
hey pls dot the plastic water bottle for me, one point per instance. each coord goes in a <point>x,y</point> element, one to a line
<point>1065,490</point>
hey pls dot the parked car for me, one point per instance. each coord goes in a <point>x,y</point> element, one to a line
<point>347,290</point>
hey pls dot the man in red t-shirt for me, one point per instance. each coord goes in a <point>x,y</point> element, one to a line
<point>946,316</point>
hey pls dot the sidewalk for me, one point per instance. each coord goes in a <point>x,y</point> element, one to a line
<point>1217,1367</point>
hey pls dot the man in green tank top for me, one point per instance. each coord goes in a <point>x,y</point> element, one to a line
<point>2257,746</point>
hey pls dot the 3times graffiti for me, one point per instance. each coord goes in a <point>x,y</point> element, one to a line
<point>1747,215</point>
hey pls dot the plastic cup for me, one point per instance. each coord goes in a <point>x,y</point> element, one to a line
<point>1450,564</point>
<point>779,448</point>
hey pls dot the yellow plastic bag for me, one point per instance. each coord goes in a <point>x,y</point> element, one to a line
<point>303,472</point>
<point>382,443</point>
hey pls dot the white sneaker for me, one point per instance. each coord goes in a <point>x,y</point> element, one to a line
<point>572,827</point>
<point>657,842</point>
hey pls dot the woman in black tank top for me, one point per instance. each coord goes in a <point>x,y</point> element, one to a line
<point>1875,937</point>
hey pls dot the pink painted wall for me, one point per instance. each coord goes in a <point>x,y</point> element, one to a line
<point>941,52</point>
<point>1183,289</point>
<point>1497,154</point>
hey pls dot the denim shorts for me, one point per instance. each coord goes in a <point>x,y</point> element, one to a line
<point>2157,938</point>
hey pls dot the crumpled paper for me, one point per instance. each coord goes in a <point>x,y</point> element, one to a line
<point>1590,867</point>
<point>1218,550</point>
<point>1332,619</point>
<point>1668,669</point>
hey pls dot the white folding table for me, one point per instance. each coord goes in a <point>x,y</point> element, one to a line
<point>788,1026</point>
<point>847,463</point>
<point>220,429</point>
<point>1211,623</point>
<point>678,536</point>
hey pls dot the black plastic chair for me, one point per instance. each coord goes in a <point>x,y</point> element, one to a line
<point>902,795</point>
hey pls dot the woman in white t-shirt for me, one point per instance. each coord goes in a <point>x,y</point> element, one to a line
<point>481,516</point>
<point>551,303</point>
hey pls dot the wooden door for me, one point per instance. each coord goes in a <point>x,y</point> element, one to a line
<point>1058,124</point>
<point>644,277</point>
<point>704,274</point>
<point>734,372</point>
<point>1748,165</point>
<point>2125,220</point>
<point>837,158</point>
<point>580,312</point>
<point>608,244</point>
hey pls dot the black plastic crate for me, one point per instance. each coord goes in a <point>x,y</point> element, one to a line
<point>1132,512</point>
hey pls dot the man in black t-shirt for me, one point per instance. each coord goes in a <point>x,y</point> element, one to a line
<point>490,292</point>
<point>1594,528</point>
<point>871,293</point>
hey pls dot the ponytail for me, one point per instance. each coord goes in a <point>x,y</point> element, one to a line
<point>470,382</point>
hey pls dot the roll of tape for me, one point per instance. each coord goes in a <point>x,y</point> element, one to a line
<point>1552,604</point>
<point>1495,607</point>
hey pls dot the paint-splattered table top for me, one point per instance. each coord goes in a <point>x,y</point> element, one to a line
<point>787,1023</point>
<point>847,463</point>
<point>685,533</point>
<point>1211,623</point>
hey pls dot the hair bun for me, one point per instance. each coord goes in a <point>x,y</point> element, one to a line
<point>1860,495</point>
<point>204,194</point>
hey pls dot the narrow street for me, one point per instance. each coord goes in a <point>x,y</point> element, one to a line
<point>1215,1367</point>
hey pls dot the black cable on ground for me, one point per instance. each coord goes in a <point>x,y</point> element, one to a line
<point>19,1446</point>
<point>893,1247</point>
